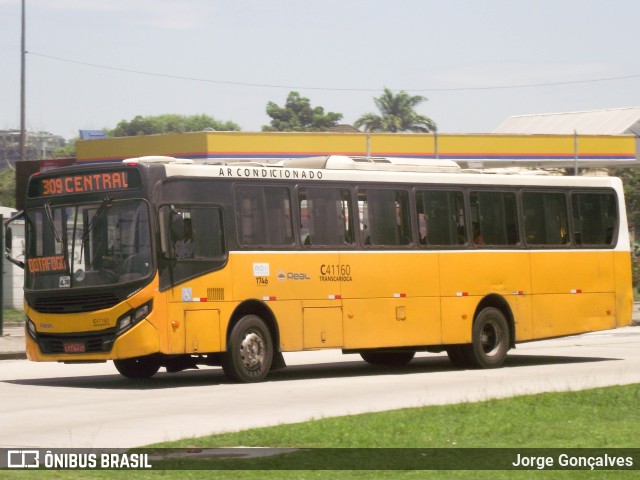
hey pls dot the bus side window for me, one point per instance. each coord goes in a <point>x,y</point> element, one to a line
<point>441,217</point>
<point>182,235</point>
<point>545,218</point>
<point>251,227</point>
<point>325,216</point>
<point>494,218</point>
<point>384,217</point>
<point>278,205</point>
<point>263,216</point>
<point>192,232</point>
<point>207,231</point>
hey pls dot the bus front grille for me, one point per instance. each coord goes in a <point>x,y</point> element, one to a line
<point>75,303</point>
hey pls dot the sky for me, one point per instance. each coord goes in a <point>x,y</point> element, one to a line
<point>91,64</point>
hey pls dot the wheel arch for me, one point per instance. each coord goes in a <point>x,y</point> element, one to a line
<point>498,301</point>
<point>260,309</point>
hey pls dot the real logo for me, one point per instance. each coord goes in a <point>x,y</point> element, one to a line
<point>297,276</point>
<point>282,276</point>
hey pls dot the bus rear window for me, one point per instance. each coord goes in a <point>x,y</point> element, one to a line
<point>595,219</point>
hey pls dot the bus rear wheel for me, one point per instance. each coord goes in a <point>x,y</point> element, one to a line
<point>392,359</point>
<point>490,340</point>
<point>249,351</point>
<point>138,368</point>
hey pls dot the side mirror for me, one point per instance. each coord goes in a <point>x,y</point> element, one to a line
<point>8,239</point>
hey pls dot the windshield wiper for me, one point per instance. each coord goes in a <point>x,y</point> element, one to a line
<point>56,234</point>
<point>106,203</point>
<point>52,223</point>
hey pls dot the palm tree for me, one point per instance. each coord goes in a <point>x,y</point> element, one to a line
<point>397,114</point>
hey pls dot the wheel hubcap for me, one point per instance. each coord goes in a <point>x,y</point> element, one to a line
<point>252,350</point>
<point>490,339</point>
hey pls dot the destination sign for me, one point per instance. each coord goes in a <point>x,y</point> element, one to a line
<point>55,263</point>
<point>84,183</point>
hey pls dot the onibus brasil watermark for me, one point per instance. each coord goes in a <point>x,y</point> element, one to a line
<point>72,460</point>
<point>565,460</point>
<point>291,458</point>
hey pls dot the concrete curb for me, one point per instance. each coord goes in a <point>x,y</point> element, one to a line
<point>13,356</point>
<point>12,344</point>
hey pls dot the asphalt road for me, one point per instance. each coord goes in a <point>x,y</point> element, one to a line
<point>50,405</point>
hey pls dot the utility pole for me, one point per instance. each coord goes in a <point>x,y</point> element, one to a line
<point>436,152</point>
<point>1,279</point>
<point>576,169</point>
<point>23,51</point>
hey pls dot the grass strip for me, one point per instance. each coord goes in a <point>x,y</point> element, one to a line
<point>596,418</point>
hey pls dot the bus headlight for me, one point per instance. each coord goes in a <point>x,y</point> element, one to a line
<point>132,317</point>
<point>31,328</point>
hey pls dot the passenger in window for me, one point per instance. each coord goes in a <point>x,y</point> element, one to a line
<point>477,234</point>
<point>422,224</point>
<point>462,235</point>
<point>307,241</point>
<point>365,235</point>
<point>183,246</point>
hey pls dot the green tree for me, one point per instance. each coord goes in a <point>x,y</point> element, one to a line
<point>397,114</point>
<point>170,123</point>
<point>7,187</point>
<point>69,150</point>
<point>631,182</point>
<point>297,115</point>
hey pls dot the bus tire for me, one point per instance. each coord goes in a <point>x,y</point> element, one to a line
<point>490,340</point>
<point>138,368</point>
<point>249,351</point>
<point>391,359</point>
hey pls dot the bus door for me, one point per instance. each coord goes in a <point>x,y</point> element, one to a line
<point>194,247</point>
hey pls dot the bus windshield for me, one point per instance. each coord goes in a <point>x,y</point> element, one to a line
<point>87,245</point>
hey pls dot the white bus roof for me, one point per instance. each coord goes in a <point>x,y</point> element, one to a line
<point>394,164</point>
<point>325,162</point>
<point>363,169</point>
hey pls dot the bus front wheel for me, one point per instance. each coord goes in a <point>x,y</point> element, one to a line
<point>249,351</point>
<point>490,340</point>
<point>138,368</point>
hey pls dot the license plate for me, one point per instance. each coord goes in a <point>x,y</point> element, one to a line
<point>74,348</point>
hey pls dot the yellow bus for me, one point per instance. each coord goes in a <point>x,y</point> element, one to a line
<point>159,262</point>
